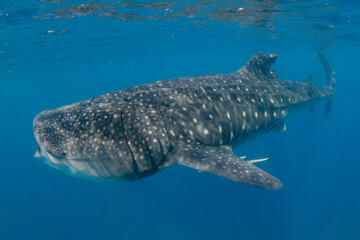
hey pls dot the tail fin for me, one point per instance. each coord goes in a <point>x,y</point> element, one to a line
<point>327,108</point>
<point>330,77</point>
<point>329,70</point>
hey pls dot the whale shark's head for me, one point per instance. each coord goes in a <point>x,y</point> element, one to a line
<point>48,134</point>
<point>80,143</point>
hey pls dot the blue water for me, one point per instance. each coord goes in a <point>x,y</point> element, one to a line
<point>54,53</point>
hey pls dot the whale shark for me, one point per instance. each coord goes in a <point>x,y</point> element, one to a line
<point>192,121</point>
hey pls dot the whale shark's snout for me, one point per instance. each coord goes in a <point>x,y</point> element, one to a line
<point>48,134</point>
<point>70,139</point>
<point>51,140</point>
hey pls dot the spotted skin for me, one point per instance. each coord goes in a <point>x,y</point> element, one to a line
<point>133,133</point>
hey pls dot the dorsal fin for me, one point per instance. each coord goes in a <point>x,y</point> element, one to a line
<point>308,80</point>
<point>260,64</point>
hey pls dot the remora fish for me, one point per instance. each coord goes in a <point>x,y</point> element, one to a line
<point>134,133</point>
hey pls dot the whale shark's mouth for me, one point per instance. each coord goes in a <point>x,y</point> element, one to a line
<point>74,167</point>
<point>68,166</point>
<point>47,157</point>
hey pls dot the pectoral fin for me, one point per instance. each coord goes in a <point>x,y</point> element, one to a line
<point>222,162</point>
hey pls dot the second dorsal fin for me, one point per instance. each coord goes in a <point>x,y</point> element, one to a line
<point>308,80</point>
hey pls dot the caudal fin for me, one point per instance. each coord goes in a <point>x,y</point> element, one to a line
<point>330,77</point>
<point>329,70</point>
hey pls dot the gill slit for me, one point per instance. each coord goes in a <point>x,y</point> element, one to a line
<point>140,134</point>
<point>135,165</point>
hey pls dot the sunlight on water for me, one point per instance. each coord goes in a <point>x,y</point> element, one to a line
<point>57,26</point>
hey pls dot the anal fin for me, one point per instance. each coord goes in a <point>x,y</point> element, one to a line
<point>221,161</point>
<point>278,126</point>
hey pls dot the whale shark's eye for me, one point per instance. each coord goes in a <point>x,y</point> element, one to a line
<point>64,154</point>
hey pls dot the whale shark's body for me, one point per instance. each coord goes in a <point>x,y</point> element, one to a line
<point>133,133</point>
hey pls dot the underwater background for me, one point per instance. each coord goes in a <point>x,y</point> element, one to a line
<point>57,52</point>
